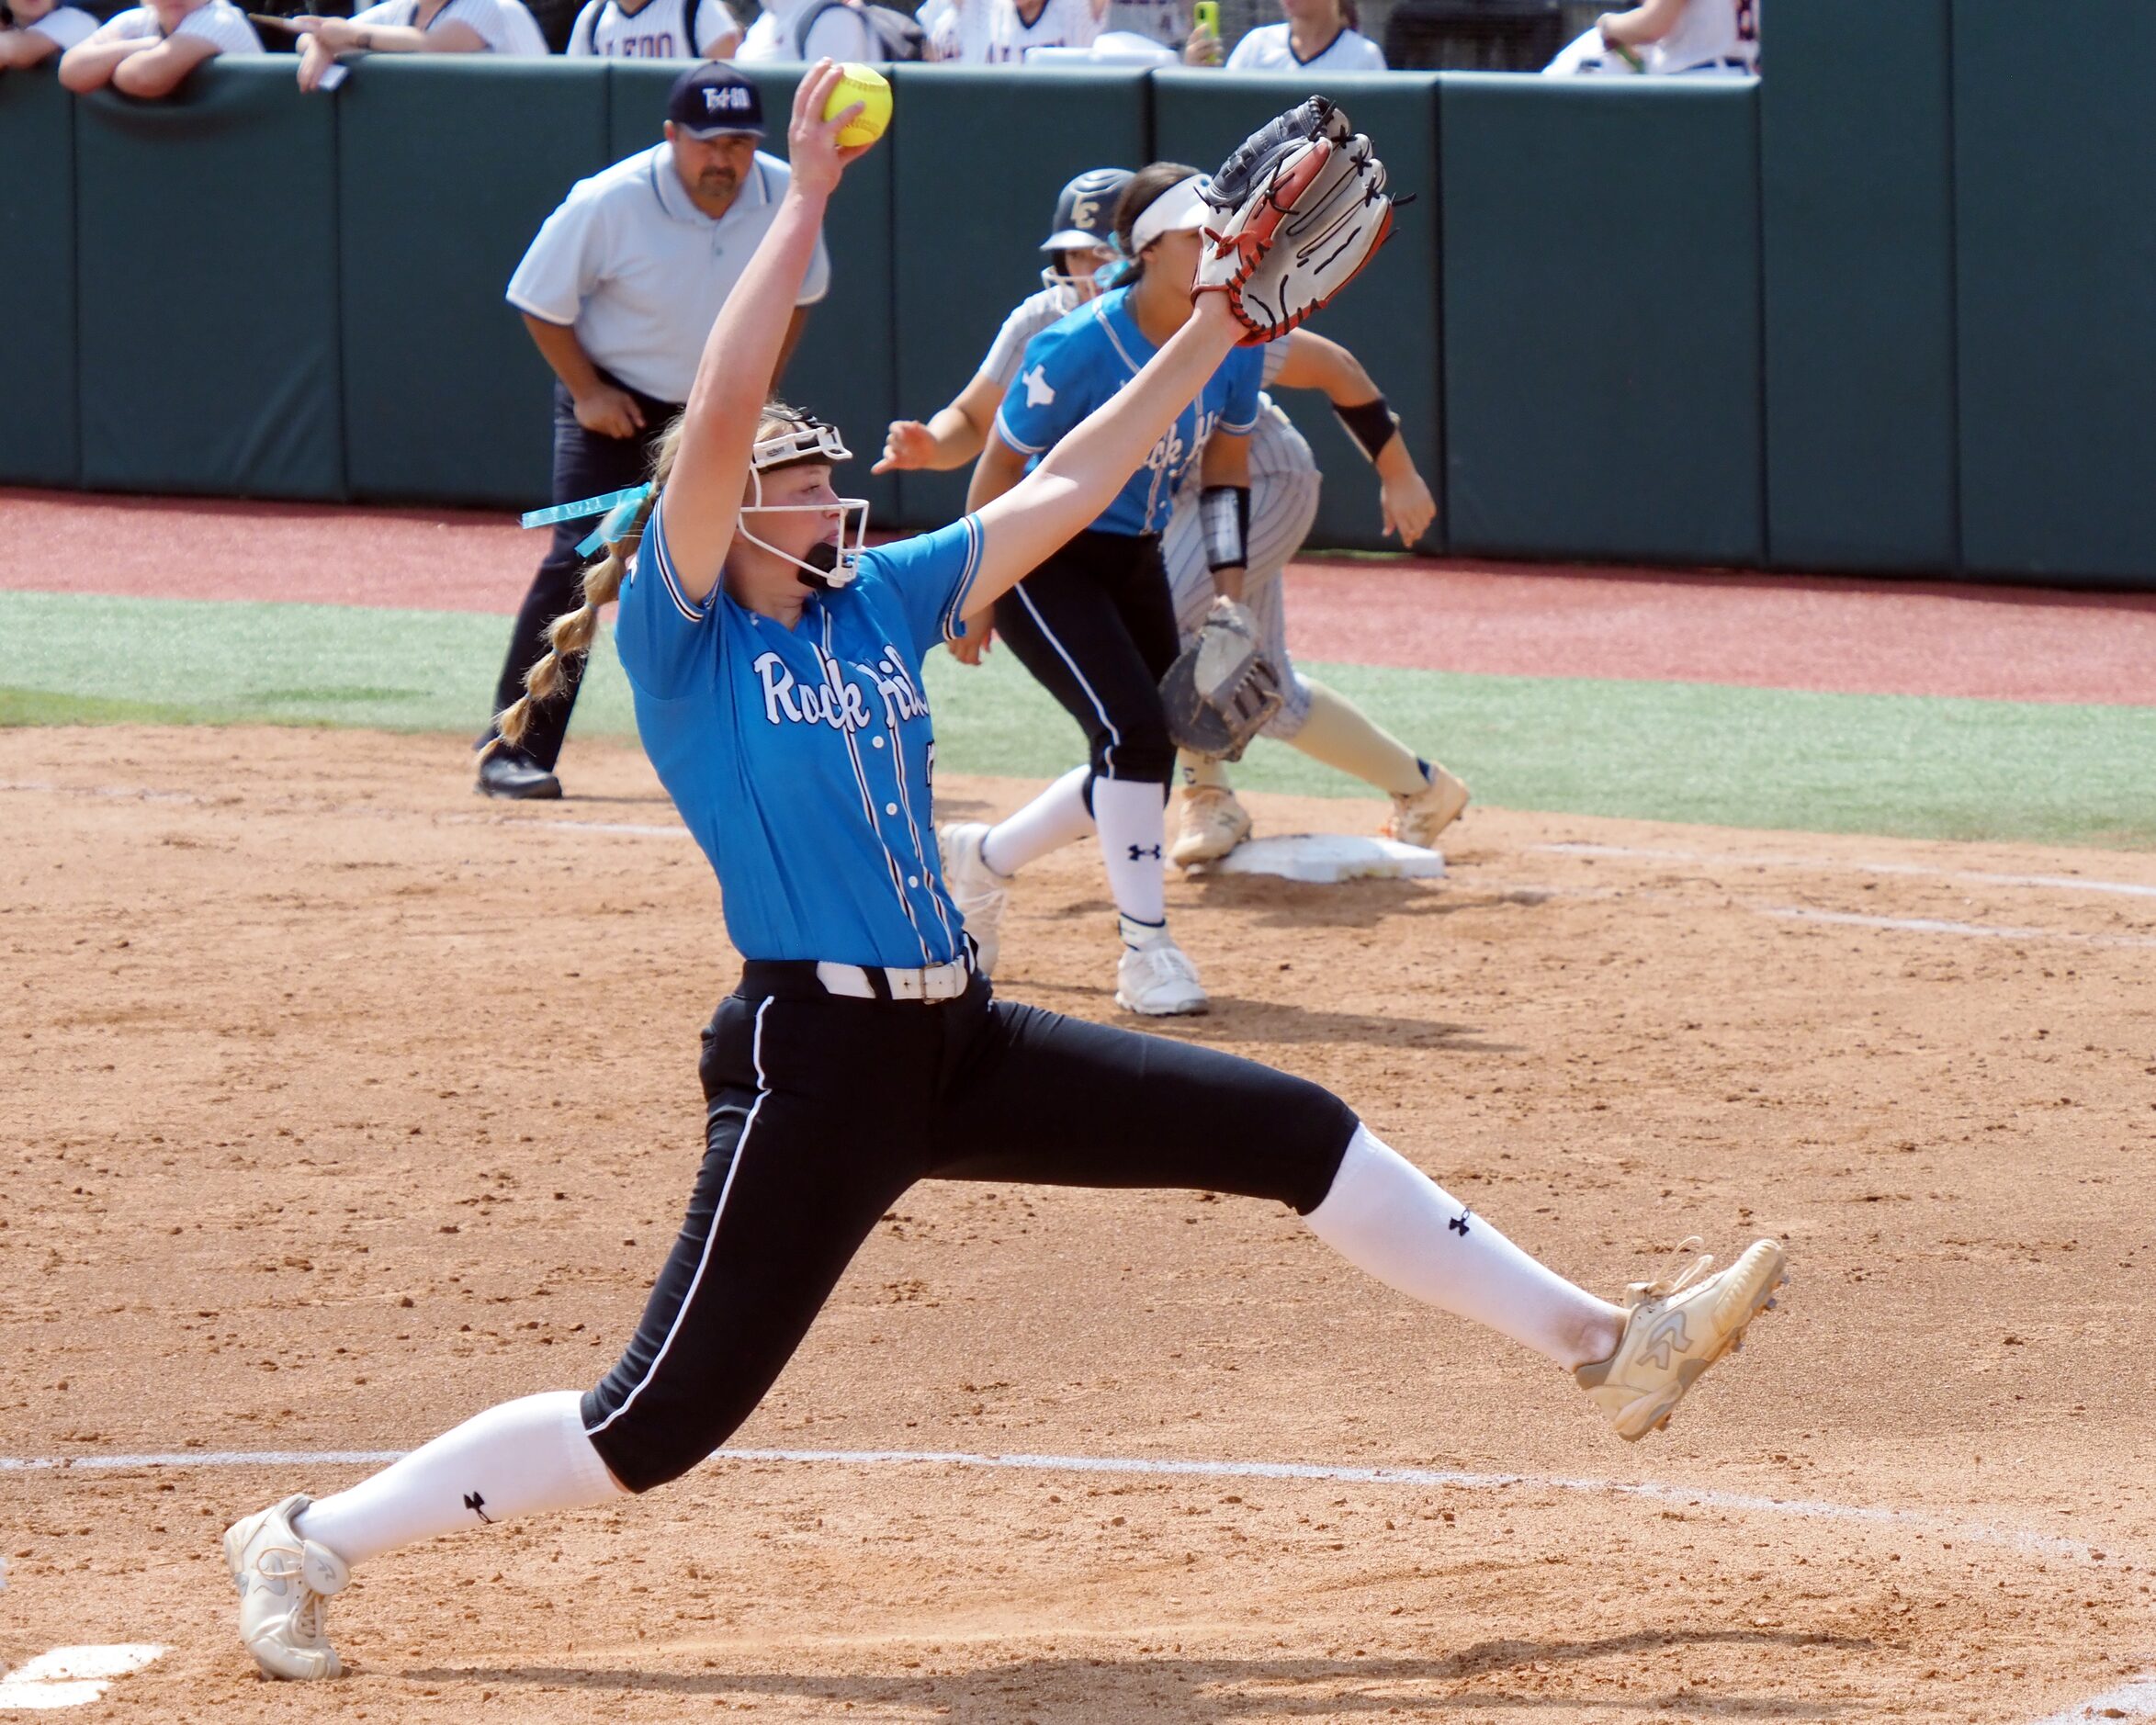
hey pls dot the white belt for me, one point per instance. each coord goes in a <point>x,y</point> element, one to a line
<point>937,982</point>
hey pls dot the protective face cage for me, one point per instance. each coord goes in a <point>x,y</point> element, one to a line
<point>1073,291</point>
<point>827,567</point>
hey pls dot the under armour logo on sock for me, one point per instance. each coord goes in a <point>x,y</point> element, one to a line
<point>1139,852</point>
<point>1459,1223</point>
<point>478,1506</point>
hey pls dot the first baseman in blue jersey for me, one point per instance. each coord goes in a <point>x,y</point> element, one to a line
<point>776,665</point>
<point>1095,624</point>
<point>1078,363</point>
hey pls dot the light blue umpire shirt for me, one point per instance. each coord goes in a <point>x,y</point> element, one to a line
<point>803,760</point>
<point>639,273</point>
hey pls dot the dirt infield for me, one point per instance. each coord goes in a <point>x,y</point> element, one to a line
<point>344,1103</point>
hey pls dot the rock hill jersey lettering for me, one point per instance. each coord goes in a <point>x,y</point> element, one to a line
<point>802,760</point>
<point>659,29</point>
<point>1077,363</point>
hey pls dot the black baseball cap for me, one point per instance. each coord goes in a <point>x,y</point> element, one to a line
<point>711,101</point>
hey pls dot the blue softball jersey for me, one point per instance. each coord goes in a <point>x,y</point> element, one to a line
<point>802,760</point>
<point>1074,366</point>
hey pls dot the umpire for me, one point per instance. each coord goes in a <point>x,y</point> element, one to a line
<point>619,291</point>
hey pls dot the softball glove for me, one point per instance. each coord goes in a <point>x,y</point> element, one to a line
<point>1298,211</point>
<point>1222,689</point>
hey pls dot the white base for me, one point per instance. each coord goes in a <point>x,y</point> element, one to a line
<point>1325,858</point>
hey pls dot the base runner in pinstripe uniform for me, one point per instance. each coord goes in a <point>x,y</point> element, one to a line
<point>863,1051</point>
<point>1284,486</point>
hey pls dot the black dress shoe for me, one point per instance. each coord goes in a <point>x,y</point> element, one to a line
<point>509,772</point>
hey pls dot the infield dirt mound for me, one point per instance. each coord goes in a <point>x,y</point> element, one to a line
<point>344,1103</point>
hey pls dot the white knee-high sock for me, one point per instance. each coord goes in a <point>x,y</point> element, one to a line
<point>1388,1218</point>
<point>523,1457</point>
<point>1053,819</point>
<point>1133,819</point>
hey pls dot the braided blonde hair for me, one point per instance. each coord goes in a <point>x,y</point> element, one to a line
<point>569,635</point>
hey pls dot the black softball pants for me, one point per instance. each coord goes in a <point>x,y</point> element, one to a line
<point>586,464</point>
<point>822,1109</point>
<point>1095,624</point>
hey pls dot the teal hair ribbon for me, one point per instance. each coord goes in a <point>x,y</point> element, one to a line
<point>618,507</point>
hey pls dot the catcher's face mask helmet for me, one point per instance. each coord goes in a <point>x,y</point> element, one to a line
<point>1085,221</point>
<point>830,563</point>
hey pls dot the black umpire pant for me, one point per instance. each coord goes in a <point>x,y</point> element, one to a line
<point>822,1109</point>
<point>1095,624</point>
<point>586,464</point>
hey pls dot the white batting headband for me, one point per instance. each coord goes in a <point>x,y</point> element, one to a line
<point>828,567</point>
<point>1179,209</point>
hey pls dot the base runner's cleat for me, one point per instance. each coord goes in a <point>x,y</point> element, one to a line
<point>1420,819</point>
<point>1211,824</point>
<point>976,889</point>
<point>1674,1330</point>
<point>283,1581</point>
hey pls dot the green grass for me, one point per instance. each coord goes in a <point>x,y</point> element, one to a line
<point>1888,764</point>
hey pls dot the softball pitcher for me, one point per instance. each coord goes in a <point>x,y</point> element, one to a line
<point>775,665</point>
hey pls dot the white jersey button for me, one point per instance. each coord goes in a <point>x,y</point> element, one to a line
<point>890,808</point>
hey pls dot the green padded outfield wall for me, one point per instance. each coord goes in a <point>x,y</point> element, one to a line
<point>844,367</point>
<point>1389,318</point>
<point>448,164</point>
<point>1601,318</point>
<point>979,156</point>
<point>1857,202</point>
<point>38,435</point>
<point>207,316</point>
<point>2055,175</point>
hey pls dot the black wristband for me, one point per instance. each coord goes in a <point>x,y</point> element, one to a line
<point>1371,423</point>
<point>1224,518</point>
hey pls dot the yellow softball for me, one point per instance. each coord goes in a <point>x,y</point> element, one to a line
<point>867,86</point>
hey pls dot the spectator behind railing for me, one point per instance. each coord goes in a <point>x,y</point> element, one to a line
<point>1008,32</point>
<point>41,31</point>
<point>1317,35</point>
<point>148,50</point>
<point>416,27</point>
<point>657,29</point>
<point>1670,38</point>
<point>809,30</point>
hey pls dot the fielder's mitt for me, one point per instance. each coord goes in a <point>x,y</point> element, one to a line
<point>1222,689</point>
<point>1300,209</point>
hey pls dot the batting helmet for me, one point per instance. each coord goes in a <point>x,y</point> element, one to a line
<point>1085,219</point>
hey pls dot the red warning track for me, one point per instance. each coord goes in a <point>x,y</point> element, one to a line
<point>1782,632</point>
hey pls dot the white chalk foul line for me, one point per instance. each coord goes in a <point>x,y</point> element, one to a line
<point>71,1677</point>
<point>1933,925</point>
<point>2132,1699</point>
<point>1160,1467</point>
<point>1855,865</point>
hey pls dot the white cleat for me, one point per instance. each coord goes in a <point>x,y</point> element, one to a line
<point>1418,819</point>
<point>1156,980</point>
<point>1210,825</point>
<point>976,889</point>
<point>284,1581</point>
<point>1674,1330</point>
